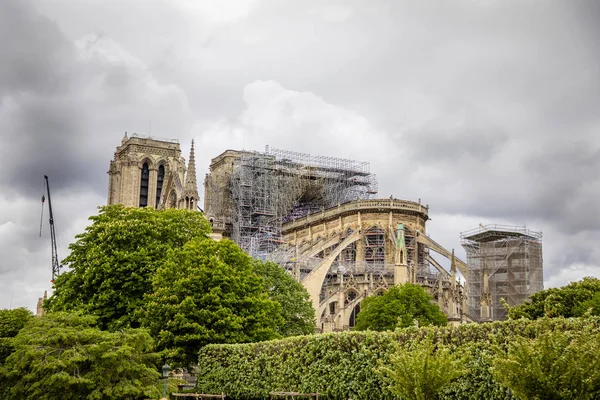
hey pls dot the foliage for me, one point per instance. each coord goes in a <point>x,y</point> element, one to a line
<point>572,300</point>
<point>478,383</point>
<point>205,293</point>
<point>65,356</point>
<point>342,365</point>
<point>113,261</point>
<point>419,370</point>
<point>592,306</point>
<point>297,310</point>
<point>399,307</point>
<point>11,322</point>
<point>555,365</point>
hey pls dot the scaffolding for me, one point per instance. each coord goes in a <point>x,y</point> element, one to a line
<point>512,258</point>
<point>271,188</point>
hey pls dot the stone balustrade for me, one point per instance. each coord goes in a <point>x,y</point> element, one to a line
<point>379,205</point>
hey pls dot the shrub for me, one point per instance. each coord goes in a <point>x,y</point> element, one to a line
<point>343,365</point>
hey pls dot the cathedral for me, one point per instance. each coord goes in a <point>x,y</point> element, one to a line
<point>150,172</point>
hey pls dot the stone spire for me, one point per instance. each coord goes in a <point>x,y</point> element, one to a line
<point>190,191</point>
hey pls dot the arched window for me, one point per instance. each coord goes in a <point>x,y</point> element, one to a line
<point>353,315</point>
<point>351,296</point>
<point>144,185</point>
<point>159,183</point>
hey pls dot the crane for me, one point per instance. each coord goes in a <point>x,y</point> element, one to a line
<point>55,262</point>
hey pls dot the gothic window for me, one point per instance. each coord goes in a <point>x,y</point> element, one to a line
<point>351,296</point>
<point>353,315</point>
<point>144,185</point>
<point>332,307</point>
<point>159,183</point>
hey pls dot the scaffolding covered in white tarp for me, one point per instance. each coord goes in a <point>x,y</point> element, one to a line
<point>512,257</point>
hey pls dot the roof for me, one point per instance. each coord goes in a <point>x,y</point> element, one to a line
<point>490,233</point>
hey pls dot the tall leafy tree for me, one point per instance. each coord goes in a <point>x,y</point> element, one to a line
<point>113,261</point>
<point>11,323</point>
<point>65,356</point>
<point>297,310</point>
<point>207,292</point>
<point>401,306</point>
<point>572,300</point>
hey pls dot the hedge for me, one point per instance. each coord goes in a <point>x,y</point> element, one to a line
<point>341,366</point>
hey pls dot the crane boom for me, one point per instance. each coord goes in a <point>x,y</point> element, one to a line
<point>55,262</point>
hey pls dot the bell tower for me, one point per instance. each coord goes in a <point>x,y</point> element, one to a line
<point>149,172</point>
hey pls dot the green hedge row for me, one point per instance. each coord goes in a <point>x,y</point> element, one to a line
<point>341,365</point>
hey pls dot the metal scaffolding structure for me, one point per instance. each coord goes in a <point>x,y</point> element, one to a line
<point>278,186</point>
<point>511,258</point>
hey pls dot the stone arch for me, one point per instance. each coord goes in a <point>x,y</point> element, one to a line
<point>148,160</point>
<point>314,281</point>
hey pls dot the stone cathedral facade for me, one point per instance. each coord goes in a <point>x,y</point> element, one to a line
<point>150,172</point>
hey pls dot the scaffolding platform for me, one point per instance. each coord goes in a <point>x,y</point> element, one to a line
<point>511,258</point>
<point>278,186</point>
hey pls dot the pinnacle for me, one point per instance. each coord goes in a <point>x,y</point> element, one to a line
<point>190,178</point>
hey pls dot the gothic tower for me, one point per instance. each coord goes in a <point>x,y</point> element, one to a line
<point>149,172</point>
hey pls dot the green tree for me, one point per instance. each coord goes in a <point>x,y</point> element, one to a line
<point>556,365</point>
<point>572,300</point>
<point>205,293</point>
<point>297,310</point>
<point>11,322</point>
<point>65,356</point>
<point>399,307</point>
<point>420,370</point>
<point>113,261</point>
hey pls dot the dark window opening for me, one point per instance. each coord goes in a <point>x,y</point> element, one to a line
<point>353,315</point>
<point>159,183</point>
<point>144,185</point>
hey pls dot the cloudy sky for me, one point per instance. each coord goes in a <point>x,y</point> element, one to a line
<point>487,110</point>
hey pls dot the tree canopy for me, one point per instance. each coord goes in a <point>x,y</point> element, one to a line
<point>572,300</point>
<point>65,356</point>
<point>399,307</point>
<point>207,292</point>
<point>11,323</point>
<point>113,261</point>
<point>296,307</point>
